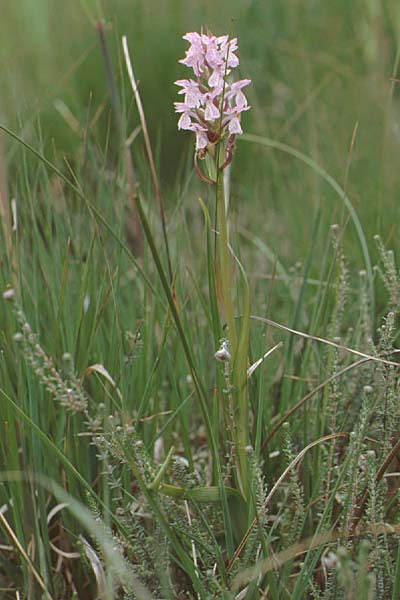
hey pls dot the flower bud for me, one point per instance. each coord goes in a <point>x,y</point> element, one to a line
<point>223,353</point>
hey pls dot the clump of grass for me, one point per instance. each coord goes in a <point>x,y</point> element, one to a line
<point>137,465</point>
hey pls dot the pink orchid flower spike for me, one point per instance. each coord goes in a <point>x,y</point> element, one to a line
<point>213,102</point>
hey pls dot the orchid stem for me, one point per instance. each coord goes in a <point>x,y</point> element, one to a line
<point>238,346</point>
<point>225,266</point>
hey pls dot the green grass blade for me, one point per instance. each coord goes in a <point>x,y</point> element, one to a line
<point>270,143</point>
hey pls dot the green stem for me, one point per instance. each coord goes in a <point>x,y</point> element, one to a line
<point>238,345</point>
<point>225,265</point>
<point>157,481</point>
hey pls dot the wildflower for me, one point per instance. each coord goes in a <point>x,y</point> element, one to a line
<point>212,104</point>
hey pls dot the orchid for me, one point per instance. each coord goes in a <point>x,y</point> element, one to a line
<point>212,103</point>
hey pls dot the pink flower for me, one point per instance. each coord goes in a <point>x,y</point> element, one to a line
<point>212,95</point>
<point>235,91</point>
<point>233,123</point>
<point>217,79</point>
<point>228,47</point>
<point>211,104</point>
<point>212,55</point>
<point>201,136</point>
<point>185,120</point>
<point>191,90</point>
<point>195,55</point>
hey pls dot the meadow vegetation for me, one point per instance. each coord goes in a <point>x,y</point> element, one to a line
<point>133,463</point>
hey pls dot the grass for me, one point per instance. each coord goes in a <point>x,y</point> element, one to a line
<point>133,464</point>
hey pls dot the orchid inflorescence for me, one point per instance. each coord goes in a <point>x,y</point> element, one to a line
<point>212,104</point>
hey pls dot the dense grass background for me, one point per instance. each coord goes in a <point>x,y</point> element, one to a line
<point>324,82</point>
<point>318,69</point>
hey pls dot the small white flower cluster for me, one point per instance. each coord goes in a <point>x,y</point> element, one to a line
<point>212,105</point>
